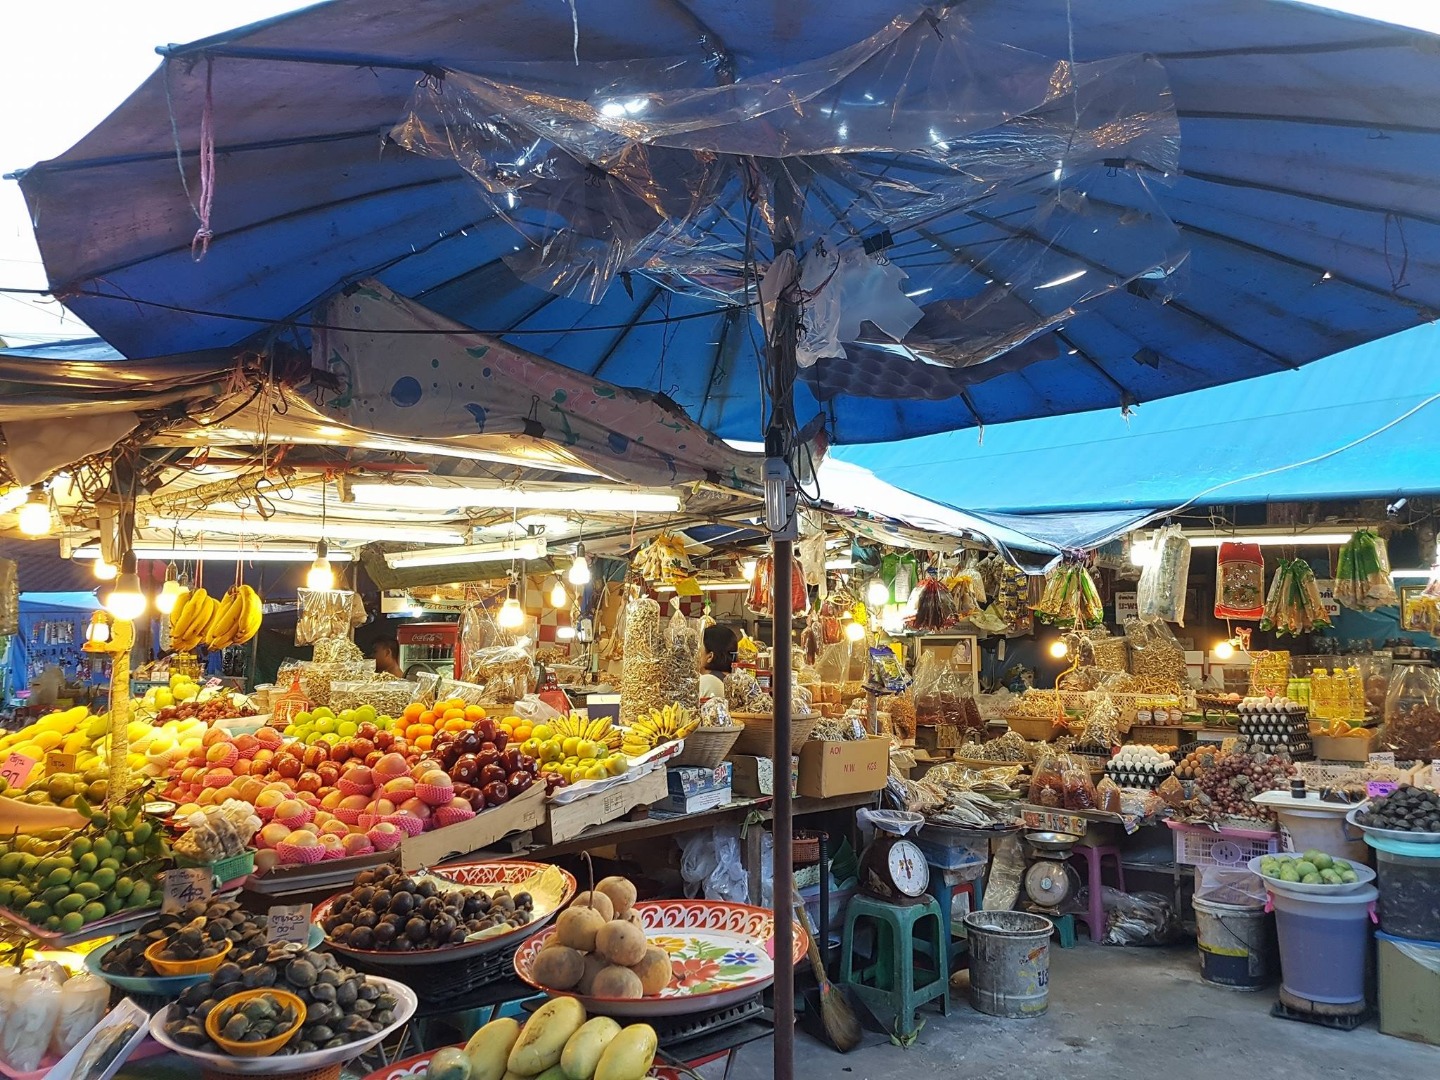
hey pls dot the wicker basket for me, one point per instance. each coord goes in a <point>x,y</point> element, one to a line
<point>705,748</point>
<point>805,848</point>
<point>1035,729</point>
<point>758,738</point>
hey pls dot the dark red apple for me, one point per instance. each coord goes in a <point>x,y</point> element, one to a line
<point>468,741</point>
<point>496,793</point>
<point>466,769</point>
<point>490,774</point>
<point>527,763</point>
<point>289,767</point>
<point>476,799</point>
<point>501,738</point>
<point>367,730</point>
<point>362,748</point>
<point>487,755</point>
<point>342,752</point>
<point>329,773</point>
<point>553,781</point>
<point>511,758</point>
<point>518,781</point>
<point>485,729</point>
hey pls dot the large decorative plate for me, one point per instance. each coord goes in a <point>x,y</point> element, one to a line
<point>720,953</point>
<point>284,1064</point>
<point>159,985</point>
<point>415,1068</point>
<point>1403,835</point>
<point>475,874</point>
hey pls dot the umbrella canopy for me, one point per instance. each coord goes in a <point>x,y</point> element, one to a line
<point>1232,189</point>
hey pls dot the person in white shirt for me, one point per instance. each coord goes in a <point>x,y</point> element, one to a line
<point>717,660</point>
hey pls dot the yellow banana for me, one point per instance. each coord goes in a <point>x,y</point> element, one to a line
<point>221,630</point>
<point>251,616</point>
<point>185,622</point>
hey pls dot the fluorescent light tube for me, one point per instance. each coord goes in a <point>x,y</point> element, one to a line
<point>467,553</point>
<point>331,529</point>
<point>712,586</point>
<point>590,500</point>
<point>223,553</point>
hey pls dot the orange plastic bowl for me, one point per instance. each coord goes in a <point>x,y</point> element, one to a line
<point>265,1047</point>
<point>186,967</point>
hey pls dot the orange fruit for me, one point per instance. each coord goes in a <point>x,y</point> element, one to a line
<point>453,714</point>
<point>427,716</point>
<point>424,742</point>
<point>413,710</point>
<point>474,712</point>
<point>522,731</point>
<point>416,731</point>
<point>457,725</point>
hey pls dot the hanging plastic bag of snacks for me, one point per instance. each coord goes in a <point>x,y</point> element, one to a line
<point>902,574</point>
<point>1070,597</point>
<point>1294,605</point>
<point>934,606</point>
<point>967,592</point>
<point>761,597</point>
<point>325,613</point>
<point>929,709</point>
<point>1362,576</point>
<point>1239,581</point>
<point>1047,782</point>
<point>682,662</point>
<point>1161,592</point>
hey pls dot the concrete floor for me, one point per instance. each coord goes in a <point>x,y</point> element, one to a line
<point>1115,1013</point>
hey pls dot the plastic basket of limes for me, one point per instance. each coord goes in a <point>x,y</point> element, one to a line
<point>1311,872</point>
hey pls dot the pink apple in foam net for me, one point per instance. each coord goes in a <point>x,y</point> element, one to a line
<point>416,808</point>
<point>389,767</point>
<point>302,838</point>
<point>357,844</point>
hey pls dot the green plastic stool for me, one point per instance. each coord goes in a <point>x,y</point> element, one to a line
<point>1064,929</point>
<point>900,977</point>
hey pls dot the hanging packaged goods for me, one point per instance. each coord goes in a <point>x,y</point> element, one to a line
<point>1294,605</point>
<point>1239,581</point>
<point>1362,576</point>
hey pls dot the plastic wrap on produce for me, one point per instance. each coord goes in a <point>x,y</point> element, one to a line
<point>326,613</point>
<point>1026,175</point>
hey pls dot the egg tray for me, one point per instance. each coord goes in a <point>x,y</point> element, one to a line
<point>443,981</point>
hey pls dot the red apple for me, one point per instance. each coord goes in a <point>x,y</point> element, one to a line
<point>384,739</point>
<point>381,807</point>
<point>316,753</point>
<point>501,738</point>
<point>519,781</point>
<point>367,730</point>
<point>476,799</point>
<point>308,781</point>
<point>496,793</point>
<point>491,774</point>
<point>486,729</point>
<point>416,808</point>
<point>329,773</point>
<point>511,758</point>
<point>341,752</point>
<point>357,843</point>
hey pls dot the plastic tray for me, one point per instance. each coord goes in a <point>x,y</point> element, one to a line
<point>1403,835</point>
<point>405,1008</point>
<point>1363,874</point>
<point>119,923</point>
<point>168,986</point>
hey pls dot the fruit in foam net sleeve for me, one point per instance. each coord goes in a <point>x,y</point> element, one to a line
<point>489,1048</point>
<point>544,1036</point>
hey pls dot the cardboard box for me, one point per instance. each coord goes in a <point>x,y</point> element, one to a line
<point>565,821</point>
<point>843,768</point>
<point>486,828</point>
<point>754,777</point>
<point>694,804</point>
<point>1409,988</point>
<point>687,781</point>
<point>1343,748</point>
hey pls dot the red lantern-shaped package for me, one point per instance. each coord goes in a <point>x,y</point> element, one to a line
<point>1239,581</point>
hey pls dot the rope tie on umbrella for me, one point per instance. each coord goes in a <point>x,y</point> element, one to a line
<point>200,245</point>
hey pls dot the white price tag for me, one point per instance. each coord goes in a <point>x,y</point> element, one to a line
<point>289,923</point>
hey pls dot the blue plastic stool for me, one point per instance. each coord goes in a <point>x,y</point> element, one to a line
<point>903,974</point>
<point>944,890</point>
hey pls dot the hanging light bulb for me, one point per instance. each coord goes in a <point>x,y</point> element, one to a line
<point>34,513</point>
<point>877,593</point>
<point>1224,650</point>
<point>321,578</point>
<point>1058,649</point>
<point>170,592</point>
<point>558,596</point>
<point>97,630</point>
<point>580,568</point>
<point>511,616</point>
<point>855,631</point>
<point>748,568</point>
<point>105,571</point>
<point>565,633</point>
<point>126,601</point>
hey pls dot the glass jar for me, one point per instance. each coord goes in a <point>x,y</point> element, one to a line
<point>1412,708</point>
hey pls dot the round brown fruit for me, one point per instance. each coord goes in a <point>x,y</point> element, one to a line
<point>597,900</point>
<point>617,982</point>
<point>621,942</point>
<point>558,968</point>
<point>653,970</point>
<point>594,964</point>
<point>620,891</point>
<point>578,926</point>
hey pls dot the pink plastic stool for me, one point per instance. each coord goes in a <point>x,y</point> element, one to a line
<point>1095,857</point>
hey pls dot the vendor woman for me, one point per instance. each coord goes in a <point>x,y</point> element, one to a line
<point>718,660</point>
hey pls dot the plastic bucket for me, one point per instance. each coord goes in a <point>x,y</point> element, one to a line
<point>1237,945</point>
<point>1409,880</point>
<point>1009,962</point>
<point>1323,943</point>
<point>1322,830</point>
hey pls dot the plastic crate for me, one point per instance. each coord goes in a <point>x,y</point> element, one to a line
<point>946,850</point>
<point>1198,846</point>
<point>227,869</point>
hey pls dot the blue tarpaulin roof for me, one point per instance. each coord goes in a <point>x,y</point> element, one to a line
<point>1203,444</point>
<point>1304,200</point>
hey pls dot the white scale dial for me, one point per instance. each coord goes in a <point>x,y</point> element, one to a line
<point>908,869</point>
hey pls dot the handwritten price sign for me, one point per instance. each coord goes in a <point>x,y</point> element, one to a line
<point>183,887</point>
<point>289,923</point>
<point>16,770</point>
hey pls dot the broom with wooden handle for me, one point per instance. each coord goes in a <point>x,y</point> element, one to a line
<point>840,1023</point>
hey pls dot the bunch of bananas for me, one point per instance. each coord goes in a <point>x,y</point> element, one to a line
<point>599,730</point>
<point>193,613</point>
<point>669,724</point>
<point>237,620</point>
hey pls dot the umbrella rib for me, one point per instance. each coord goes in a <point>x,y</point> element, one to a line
<point>625,330</point>
<point>1317,121</point>
<point>289,214</point>
<point>1387,41</point>
<point>1329,200</point>
<point>58,166</point>
<point>978,264</point>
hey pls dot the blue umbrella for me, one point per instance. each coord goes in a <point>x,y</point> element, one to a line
<point>970,214</point>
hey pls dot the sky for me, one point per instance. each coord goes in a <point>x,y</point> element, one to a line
<point>68,63</point>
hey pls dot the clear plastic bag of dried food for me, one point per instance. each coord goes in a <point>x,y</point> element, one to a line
<point>1156,658</point>
<point>388,697</point>
<point>681,671</point>
<point>327,613</point>
<point>1161,592</point>
<point>507,671</point>
<point>1047,782</point>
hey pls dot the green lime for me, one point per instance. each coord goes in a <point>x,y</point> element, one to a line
<point>45,865</point>
<point>92,911</point>
<point>73,902</point>
<point>28,862</point>
<point>103,879</point>
<point>71,922</point>
<point>89,890</point>
<point>87,862</point>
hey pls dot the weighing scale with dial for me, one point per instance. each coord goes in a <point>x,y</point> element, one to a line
<point>1050,879</point>
<point>893,868</point>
